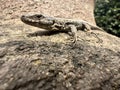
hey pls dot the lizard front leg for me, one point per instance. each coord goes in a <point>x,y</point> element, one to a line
<point>73,29</point>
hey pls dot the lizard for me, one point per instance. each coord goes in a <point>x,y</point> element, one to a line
<point>62,24</point>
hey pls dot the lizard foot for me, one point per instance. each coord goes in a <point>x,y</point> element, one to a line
<point>89,32</point>
<point>71,40</point>
<point>99,40</point>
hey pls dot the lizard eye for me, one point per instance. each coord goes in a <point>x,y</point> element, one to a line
<point>39,16</point>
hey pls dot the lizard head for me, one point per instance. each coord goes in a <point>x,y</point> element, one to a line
<point>37,20</point>
<point>32,18</point>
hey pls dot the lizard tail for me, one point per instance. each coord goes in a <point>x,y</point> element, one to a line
<point>94,27</point>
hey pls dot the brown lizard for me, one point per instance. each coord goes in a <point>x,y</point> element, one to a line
<point>54,23</point>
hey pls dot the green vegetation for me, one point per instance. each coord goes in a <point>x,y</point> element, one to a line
<point>107,14</point>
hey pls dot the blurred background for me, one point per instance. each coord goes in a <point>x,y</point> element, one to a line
<point>107,14</point>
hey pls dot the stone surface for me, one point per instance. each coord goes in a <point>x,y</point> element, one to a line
<point>35,59</point>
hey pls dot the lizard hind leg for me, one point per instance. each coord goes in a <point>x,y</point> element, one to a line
<point>88,29</point>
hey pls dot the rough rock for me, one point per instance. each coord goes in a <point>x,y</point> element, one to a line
<point>35,59</point>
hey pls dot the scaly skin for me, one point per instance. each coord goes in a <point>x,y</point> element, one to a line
<point>53,23</point>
